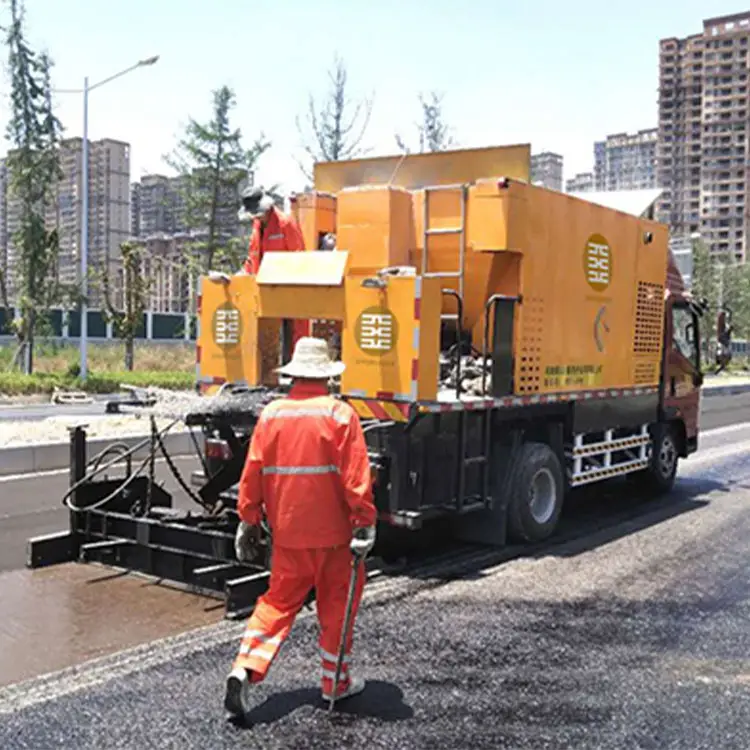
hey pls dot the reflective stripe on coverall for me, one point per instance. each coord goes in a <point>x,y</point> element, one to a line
<point>307,465</point>
<point>280,234</point>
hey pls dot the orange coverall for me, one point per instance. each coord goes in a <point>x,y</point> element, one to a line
<point>280,233</point>
<point>307,466</point>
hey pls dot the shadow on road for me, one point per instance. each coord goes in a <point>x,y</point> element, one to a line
<point>596,516</point>
<point>380,700</point>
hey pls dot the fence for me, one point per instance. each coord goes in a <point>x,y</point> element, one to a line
<point>66,325</point>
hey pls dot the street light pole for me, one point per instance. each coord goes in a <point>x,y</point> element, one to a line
<point>85,232</point>
<point>85,206</point>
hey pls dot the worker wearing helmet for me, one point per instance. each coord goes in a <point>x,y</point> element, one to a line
<point>307,468</point>
<point>272,231</point>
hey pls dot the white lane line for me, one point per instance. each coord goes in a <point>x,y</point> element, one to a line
<point>723,430</point>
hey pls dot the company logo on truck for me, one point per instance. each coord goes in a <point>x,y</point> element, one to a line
<point>227,326</point>
<point>376,331</point>
<point>597,262</point>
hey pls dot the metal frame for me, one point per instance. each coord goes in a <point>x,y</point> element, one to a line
<point>608,457</point>
<point>138,530</point>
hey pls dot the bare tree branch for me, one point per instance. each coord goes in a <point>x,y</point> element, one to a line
<point>336,126</point>
<point>433,134</point>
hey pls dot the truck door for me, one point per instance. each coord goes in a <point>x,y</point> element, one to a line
<point>683,378</point>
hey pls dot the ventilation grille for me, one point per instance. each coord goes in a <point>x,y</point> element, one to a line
<point>645,373</point>
<point>649,313</point>
<point>529,369</point>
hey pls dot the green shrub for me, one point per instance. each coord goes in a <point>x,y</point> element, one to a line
<point>18,384</point>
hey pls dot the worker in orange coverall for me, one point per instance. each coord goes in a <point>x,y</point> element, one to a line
<point>307,467</point>
<point>273,231</point>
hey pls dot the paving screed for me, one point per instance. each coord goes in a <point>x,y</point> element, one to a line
<point>634,634</point>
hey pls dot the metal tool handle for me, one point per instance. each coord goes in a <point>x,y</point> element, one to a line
<point>356,561</point>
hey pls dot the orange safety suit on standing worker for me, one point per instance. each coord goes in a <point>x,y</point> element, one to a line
<point>279,233</point>
<point>308,468</point>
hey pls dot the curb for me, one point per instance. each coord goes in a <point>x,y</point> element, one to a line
<point>725,390</point>
<point>30,459</point>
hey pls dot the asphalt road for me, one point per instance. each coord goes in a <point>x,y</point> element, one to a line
<point>30,506</point>
<point>629,630</point>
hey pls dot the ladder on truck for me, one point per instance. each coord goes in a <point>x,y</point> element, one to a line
<point>459,231</point>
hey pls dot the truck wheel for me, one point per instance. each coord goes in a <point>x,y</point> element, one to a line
<point>660,476</point>
<point>535,493</point>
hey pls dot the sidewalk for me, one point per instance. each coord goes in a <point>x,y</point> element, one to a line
<point>726,384</point>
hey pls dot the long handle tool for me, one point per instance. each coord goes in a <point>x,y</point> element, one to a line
<point>356,560</point>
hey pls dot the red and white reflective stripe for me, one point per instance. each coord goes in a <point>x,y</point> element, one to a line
<point>198,308</point>
<point>328,656</point>
<point>259,645</point>
<point>328,671</point>
<point>414,390</point>
<point>539,398</point>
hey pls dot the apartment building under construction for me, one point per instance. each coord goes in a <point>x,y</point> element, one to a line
<point>704,125</point>
<point>109,220</point>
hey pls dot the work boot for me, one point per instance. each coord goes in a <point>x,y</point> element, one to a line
<point>356,686</point>
<point>237,699</point>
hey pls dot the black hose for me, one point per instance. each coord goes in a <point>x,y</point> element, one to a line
<point>99,469</point>
<point>178,477</point>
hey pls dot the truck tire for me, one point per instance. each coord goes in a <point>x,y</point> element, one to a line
<point>535,493</point>
<point>660,475</point>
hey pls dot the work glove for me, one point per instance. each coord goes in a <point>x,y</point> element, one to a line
<point>363,540</point>
<point>218,276</point>
<point>246,541</point>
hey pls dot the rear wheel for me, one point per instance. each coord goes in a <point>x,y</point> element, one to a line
<point>536,491</point>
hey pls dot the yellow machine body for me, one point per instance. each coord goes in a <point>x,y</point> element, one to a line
<point>589,280</point>
<point>390,335</point>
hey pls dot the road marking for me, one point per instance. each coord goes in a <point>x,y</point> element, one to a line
<point>58,472</point>
<point>723,430</point>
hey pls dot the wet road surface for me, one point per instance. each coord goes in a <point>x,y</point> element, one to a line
<point>631,632</point>
<point>31,506</point>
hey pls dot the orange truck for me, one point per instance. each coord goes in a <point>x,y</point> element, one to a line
<point>504,343</point>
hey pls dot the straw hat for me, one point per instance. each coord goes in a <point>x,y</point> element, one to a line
<point>311,359</point>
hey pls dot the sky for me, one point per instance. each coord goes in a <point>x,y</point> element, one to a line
<point>557,75</point>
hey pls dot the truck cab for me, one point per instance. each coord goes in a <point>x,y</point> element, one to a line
<point>682,376</point>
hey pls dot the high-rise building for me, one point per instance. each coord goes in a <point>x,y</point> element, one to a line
<point>109,223</point>
<point>583,182</point>
<point>158,206</point>
<point>547,170</point>
<point>626,161</point>
<point>704,125</point>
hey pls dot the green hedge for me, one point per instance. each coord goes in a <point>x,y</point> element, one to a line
<point>17,384</point>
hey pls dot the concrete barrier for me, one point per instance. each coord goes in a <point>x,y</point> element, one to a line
<point>29,459</point>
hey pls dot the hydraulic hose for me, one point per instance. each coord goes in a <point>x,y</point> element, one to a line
<point>99,469</point>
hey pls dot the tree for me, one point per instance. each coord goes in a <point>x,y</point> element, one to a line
<point>336,125</point>
<point>33,166</point>
<point>433,132</point>
<point>214,165</point>
<point>135,291</point>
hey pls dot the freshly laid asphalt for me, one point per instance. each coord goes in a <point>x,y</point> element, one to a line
<point>631,630</point>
